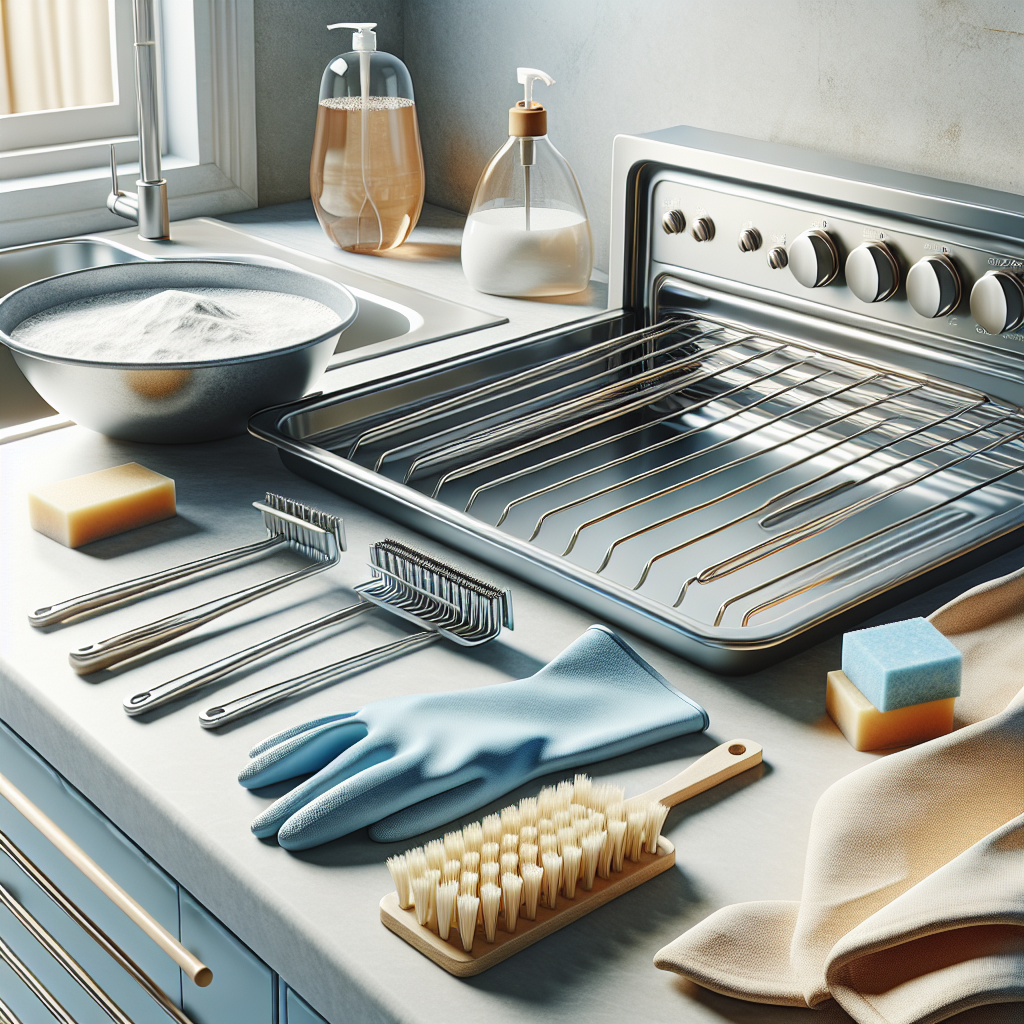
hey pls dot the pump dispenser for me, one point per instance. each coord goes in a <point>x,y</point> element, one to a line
<point>366,173</point>
<point>527,233</point>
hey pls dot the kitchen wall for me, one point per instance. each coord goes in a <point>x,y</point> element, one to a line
<point>292,48</point>
<point>932,86</point>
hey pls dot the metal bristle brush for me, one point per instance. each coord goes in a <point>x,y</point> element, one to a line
<point>484,892</point>
<point>279,532</point>
<point>446,601</point>
<point>317,535</point>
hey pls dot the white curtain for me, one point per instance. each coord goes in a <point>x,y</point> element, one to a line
<point>54,54</point>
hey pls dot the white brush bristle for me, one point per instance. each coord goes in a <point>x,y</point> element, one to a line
<point>454,846</point>
<point>490,904</point>
<point>533,875</point>
<point>491,827</point>
<point>511,896</point>
<point>509,864</point>
<point>399,868</point>
<point>656,814</point>
<point>447,893</point>
<point>469,907</point>
<point>635,834</point>
<point>552,865</point>
<point>434,852</point>
<point>572,857</point>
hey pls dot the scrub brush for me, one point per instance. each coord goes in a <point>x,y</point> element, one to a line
<point>480,894</point>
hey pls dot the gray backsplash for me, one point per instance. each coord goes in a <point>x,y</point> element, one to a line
<point>932,86</point>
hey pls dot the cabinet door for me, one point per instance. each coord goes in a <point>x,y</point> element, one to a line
<point>244,987</point>
<point>119,857</point>
<point>297,1010</point>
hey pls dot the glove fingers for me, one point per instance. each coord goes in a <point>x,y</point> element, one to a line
<point>303,753</point>
<point>359,756</point>
<point>362,799</point>
<point>295,730</point>
<point>436,811</point>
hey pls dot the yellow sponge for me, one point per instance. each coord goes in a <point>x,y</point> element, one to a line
<point>867,728</point>
<point>86,508</point>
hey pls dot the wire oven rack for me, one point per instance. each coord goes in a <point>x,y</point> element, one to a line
<point>733,487</point>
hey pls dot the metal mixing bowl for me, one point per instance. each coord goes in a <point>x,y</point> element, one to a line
<point>174,402</point>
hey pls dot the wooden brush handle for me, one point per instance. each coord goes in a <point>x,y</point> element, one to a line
<point>191,965</point>
<point>725,761</point>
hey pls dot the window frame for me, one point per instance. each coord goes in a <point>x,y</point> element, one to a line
<point>208,125</point>
<point>42,129</point>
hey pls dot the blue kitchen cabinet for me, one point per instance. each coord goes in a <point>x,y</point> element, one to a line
<point>244,989</point>
<point>295,1009</point>
<point>153,888</point>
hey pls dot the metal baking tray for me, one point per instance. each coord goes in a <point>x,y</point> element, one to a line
<point>729,494</point>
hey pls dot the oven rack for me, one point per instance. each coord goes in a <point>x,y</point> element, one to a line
<point>738,487</point>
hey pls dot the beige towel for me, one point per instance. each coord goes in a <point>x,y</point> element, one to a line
<point>913,900</point>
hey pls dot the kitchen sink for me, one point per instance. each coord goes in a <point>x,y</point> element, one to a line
<point>391,317</point>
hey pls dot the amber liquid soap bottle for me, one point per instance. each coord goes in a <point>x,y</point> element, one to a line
<point>366,174</point>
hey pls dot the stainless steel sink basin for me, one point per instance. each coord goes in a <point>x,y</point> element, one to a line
<point>19,402</point>
<point>391,316</point>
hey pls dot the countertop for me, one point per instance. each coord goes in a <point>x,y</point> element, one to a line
<point>313,916</point>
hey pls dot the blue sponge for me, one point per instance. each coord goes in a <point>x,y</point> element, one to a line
<point>902,663</point>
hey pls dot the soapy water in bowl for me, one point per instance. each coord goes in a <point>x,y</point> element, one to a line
<point>149,325</point>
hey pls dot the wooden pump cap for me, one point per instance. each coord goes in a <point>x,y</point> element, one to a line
<point>524,123</point>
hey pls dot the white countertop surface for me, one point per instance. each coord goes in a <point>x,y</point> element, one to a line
<point>313,916</point>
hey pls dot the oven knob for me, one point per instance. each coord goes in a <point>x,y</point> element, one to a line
<point>703,229</point>
<point>777,258</point>
<point>933,286</point>
<point>749,240</point>
<point>813,258</point>
<point>997,302</point>
<point>871,272</point>
<point>673,222</point>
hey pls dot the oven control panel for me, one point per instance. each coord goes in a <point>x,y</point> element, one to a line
<point>950,286</point>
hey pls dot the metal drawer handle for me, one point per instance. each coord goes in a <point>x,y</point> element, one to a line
<point>191,965</point>
<point>34,985</point>
<point>93,930</point>
<point>65,959</point>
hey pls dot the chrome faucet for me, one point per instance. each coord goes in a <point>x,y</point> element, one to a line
<point>148,207</point>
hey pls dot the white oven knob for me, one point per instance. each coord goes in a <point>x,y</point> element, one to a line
<point>997,301</point>
<point>813,258</point>
<point>871,272</point>
<point>933,286</point>
<point>703,229</point>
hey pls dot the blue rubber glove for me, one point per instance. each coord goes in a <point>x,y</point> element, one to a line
<point>414,763</point>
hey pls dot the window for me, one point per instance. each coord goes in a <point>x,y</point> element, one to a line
<point>54,158</point>
<point>67,73</point>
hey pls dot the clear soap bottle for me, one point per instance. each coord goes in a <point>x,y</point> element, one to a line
<point>527,233</point>
<point>366,173</point>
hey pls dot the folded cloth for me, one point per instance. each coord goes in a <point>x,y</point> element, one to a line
<point>913,899</point>
<point>412,763</point>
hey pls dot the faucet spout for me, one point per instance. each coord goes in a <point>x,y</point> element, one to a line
<point>148,207</point>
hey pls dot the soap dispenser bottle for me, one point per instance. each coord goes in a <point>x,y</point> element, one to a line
<point>366,173</point>
<point>527,233</point>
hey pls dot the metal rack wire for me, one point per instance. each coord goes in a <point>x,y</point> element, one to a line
<point>738,477</point>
